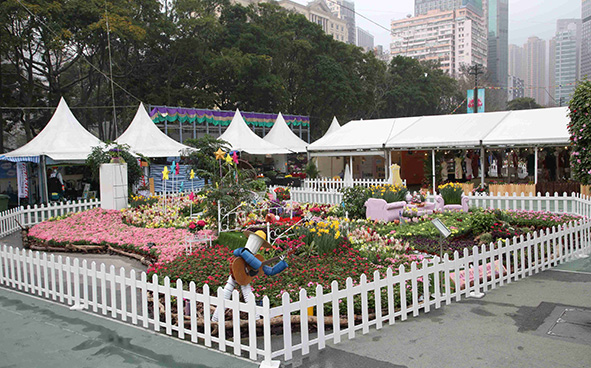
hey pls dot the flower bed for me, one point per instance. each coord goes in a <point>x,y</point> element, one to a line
<point>106,227</point>
<point>327,248</point>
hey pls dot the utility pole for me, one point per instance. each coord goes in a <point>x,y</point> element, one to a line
<point>475,70</point>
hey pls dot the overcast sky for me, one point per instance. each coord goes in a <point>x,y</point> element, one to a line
<point>526,17</point>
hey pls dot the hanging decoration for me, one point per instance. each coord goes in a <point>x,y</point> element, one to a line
<point>161,114</point>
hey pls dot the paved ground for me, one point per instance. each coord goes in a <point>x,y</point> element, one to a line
<point>540,321</point>
<point>38,333</point>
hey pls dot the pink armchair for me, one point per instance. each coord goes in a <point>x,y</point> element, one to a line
<point>458,207</point>
<point>380,210</point>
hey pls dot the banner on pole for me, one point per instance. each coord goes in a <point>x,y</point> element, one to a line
<point>22,180</point>
<point>470,99</point>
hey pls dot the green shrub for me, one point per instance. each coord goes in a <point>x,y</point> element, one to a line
<point>354,200</point>
<point>311,170</point>
<point>481,221</point>
<point>258,185</point>
<point>485,238</point>
<point>232,240</point>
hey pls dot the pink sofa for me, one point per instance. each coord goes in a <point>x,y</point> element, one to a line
<point>380,210</point>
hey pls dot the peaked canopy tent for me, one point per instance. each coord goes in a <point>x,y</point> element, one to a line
<point>328,164</point>
<point>211,121</point>
<point>241,138</point>
<point>143,136</point>
<point>280,135</point>
<point>63,140</point>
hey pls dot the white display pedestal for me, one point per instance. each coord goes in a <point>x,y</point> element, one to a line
<point>113,184</point>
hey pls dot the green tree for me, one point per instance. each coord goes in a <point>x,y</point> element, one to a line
<point>415,88</point>
<point>580,130</point>
<point>523,103</point>
<point>203,160</point>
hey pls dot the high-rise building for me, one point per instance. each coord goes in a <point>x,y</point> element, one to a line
<point>364,39</point>
<point>516,62</point>
<point>586,40</point>
<point>496,14</point>
<point>568,46</point>
<point>515,88</point>
<point>345,10</point>
<point>424,6</point>
<point>535,69</point>
<point>452,37</point>
<point>550,73</point>
<point>318,12</point>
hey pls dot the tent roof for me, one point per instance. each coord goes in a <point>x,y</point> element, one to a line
<point>320,142</point>
<point>334,126</point>
<point>503,128</point>
<point>466,130</point>
<point>282,136</point>
<point>531,127</point>
<point>143,136</point>
<point>241,138</point>
<point>62,139</point>
<point>362,134</point>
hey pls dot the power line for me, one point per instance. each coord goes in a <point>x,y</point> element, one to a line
<point>71,107</point>
<point>82,53</point>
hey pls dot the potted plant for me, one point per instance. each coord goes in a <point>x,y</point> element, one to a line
<point>451,193</point>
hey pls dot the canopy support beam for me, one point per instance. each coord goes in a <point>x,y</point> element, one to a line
<point>433,169</point>
<point>481,166</point>
<point>536,165</point>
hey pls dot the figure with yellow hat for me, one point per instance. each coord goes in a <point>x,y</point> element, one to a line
<point>248,264</point>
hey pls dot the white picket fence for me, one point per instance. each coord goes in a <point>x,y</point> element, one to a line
<point>305,195</point>
<point>573,203</point>
<point>31,215</point>
<point>385,298</point>
<point>330,184</point>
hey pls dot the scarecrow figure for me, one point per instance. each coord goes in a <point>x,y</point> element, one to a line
<point>247,264</point>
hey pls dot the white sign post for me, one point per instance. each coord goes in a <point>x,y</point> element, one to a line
<point>444,231</point>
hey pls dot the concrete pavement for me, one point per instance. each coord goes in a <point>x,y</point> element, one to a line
<point>540,321</point>
<point>40,333</point>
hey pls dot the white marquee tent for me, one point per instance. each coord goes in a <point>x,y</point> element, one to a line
<point>523,128</point>
<point>537,127</point>
<point>143,136</point>
<point>63,139</point>
<point>241,138</point>
<point>282,136</point>
<point>329,165</point>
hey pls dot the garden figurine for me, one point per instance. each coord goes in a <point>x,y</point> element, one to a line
<point>241,274</point>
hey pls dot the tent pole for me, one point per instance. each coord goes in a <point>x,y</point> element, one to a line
<point>536,165</point>
<point>481,165</point>
<point>386,166</point>
<point>433,168</point>
<point>43,180</point>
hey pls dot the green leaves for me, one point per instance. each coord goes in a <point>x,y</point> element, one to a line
<point>580,130</point>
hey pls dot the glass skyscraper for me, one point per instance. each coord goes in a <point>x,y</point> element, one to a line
<point>496,13</point>
<point>586,40</point>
